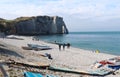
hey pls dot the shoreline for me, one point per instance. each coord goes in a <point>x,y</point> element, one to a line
<point>88,50</point>
<point>81,48</point>
<point>74,58</point>
<point>104,42</point>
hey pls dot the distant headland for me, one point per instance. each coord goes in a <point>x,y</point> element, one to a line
<point>37,25</point>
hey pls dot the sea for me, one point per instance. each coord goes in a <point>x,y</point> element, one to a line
<point>105,42</point>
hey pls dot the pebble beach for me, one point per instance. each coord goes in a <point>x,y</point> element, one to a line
<point>73,58</point>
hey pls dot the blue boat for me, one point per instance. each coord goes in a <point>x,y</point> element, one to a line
<point>117,67</point>
<point>97,72</point>
<point>51,76</point>
<point>31,74</point>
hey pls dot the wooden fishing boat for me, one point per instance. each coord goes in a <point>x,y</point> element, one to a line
<point>98,72</point>
<point>115,65</point>
<point>101,72</point>
<point>16,38</point>
<point>38,47</point>
<point>29,64</point>
<point>26,48</point>
<point>67,70</point>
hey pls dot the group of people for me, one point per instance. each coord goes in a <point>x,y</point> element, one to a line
<point>35,39</point>
<point>63,45</point>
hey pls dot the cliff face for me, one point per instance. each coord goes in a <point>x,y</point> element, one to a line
<point>36,25</point>
<point>7,26</point>
<point>41,25</point>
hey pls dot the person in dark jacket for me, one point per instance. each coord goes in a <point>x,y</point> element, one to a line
<point>68,45</point>
<point>59,46</point>
<point>64,46</point>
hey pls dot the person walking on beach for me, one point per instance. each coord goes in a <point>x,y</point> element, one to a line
<point>68,45</point>
<point>64,46</point>
<point>59,46</point>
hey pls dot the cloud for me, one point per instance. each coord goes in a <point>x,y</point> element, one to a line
<point>82,13</point>
<point>79,8</point>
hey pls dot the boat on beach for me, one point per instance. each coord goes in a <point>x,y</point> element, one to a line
<point>39,47</point>
<point>101,72</point>
<point>111,62</point>
<point>26,48</point>
<point>31,74</point>
<point>115,65</point>
<point>27,64</point>
<point>97,72</point>
<point>67,70</point>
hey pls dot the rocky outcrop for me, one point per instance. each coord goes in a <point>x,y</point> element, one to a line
<point>36,25</point>
<point>7,26</point>
<point>41,25</point>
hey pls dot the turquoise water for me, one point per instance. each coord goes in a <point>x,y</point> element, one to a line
<point>105,42</point>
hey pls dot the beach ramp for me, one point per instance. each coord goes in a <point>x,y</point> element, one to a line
<point>31,74</point>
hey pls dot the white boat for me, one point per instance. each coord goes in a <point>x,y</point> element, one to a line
<point>38,47</point>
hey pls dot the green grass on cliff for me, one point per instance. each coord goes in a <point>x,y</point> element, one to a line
<point>6,25</point>
<point>23,19</point>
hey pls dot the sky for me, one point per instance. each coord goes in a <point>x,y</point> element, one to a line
<point>78,15</point>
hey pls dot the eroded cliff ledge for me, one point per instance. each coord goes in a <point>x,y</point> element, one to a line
<point>35,25</point>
